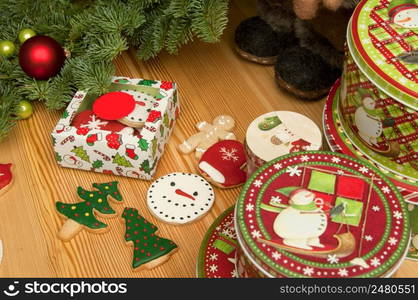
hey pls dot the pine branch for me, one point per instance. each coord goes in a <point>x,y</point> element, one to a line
<point>209,19</point>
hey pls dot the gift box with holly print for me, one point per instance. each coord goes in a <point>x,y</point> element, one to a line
<point>96,147</point>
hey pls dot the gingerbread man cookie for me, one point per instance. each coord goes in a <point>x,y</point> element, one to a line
<point>223,164</point>
<point>180,198</point>
<point>208,135</point>
<point>150,250</point>
<point>6,177</point>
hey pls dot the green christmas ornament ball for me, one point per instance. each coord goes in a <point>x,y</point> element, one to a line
<point>24,109</point>
<point>26,34</point>
<point>7,48</point>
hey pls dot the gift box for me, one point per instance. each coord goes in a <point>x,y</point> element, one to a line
<point>101,146</point>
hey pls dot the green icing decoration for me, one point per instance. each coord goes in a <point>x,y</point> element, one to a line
<point>81,153</point>
<point>82,212</point>
<point>121,161</point>
<point>97,164</point>
<point>147,245</point>
<point>143,144</point>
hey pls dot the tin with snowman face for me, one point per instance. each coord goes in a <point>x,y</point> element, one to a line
<point>379,89</point>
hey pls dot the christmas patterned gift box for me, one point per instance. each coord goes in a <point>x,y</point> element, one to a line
<point>322,214</point>
<point>107,146</point>
<point>379,89</point>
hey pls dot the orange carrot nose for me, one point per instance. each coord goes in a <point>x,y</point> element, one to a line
<point>407,19</point>
<point>181,193</point>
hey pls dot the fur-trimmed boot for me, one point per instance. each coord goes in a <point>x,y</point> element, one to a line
<point>303,38</point>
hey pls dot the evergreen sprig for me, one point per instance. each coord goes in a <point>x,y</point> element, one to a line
<point>94,32</point>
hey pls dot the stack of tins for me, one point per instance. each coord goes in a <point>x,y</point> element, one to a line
<point>371,113</point>
<point>320,214</point>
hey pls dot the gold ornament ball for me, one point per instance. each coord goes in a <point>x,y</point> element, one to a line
<point>7,48</point>
<point>26,34</point>
<point>24,109</point>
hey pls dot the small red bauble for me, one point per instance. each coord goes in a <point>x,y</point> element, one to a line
<point>41,57</point>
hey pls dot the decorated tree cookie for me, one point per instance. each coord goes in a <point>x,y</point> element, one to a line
<point>223,164</point>
<point>82,214</point>
<point>208,135</point>
<point>150,250</point>
<point>180,198</point>
<point>6,177</point>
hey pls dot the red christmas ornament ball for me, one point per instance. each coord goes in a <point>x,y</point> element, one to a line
<point>41,57</point>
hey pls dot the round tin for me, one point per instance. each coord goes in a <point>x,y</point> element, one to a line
<point>217,254</point>
<point>277,133</point>
<point>379,94</point>
<point>354,225</point>
<point>339,142</point>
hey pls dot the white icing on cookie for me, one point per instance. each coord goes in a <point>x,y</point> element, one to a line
<point>180,198</point>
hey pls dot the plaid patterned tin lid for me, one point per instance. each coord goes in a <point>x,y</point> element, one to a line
<point>323,214</point>
<point>384,44</point>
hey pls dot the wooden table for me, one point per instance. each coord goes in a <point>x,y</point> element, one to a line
<point>212,80</point>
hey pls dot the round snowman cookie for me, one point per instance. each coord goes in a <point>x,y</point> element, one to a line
<point>180,198</point>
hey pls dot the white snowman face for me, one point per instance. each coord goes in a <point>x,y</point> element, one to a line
<point>180,198</point>
<point>369,103</point>
<point>303,197</point>
<point>407,18</point>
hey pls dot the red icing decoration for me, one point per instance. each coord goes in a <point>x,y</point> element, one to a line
<point>6,175</point>
<point>114,105</point>
<point>228,158</point>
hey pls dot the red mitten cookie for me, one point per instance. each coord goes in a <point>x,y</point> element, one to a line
<point>6,177</point>
<point>223,164</point>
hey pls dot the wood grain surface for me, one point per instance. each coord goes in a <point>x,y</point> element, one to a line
<point>212,80</point>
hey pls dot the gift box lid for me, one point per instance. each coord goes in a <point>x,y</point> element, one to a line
<point>323,214</point>
<point>382,38</point>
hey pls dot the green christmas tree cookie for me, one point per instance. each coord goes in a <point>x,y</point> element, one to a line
<point>150,250</point>
<point>82,215</point>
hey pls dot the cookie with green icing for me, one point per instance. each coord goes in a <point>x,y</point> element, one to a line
<point>83,214</point>
<point>150,250</point>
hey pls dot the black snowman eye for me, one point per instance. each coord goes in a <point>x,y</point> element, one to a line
<point>195,194</point>
<point>172,183</point>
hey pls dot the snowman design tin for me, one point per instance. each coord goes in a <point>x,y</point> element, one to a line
<point>322,214</point>
<point>379,93</point>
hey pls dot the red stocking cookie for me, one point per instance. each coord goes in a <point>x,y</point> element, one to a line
<point>6,177</point>
<point>180,198</point>
<point>150,250</point>
<point>223,164</point>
